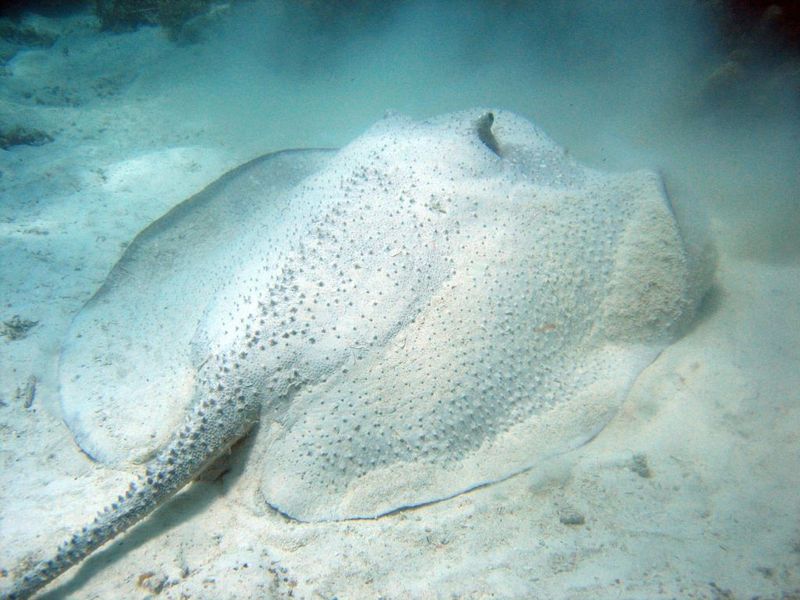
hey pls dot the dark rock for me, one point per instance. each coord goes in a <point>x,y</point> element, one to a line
<point>22,136</point>
<point>25,36</point>
<point>748,22</point>
<point>172,15</point>
<point>120,15</point>
<point>571,517</point>
<point>640,467</point>
<point>16,327</point>
<point>27,393</point>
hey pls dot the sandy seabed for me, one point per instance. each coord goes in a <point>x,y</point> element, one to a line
<point>690,492</point>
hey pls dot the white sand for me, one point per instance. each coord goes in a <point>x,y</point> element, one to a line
<point>139,125</point>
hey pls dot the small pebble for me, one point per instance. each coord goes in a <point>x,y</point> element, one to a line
<point>640,467</point>
<point>28,393</point>
<point>571,517</point>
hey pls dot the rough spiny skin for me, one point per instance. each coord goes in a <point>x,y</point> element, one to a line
<point>438,307</point>
<point>211,428</point>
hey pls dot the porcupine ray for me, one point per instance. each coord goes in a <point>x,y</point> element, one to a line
<point>437,306</point>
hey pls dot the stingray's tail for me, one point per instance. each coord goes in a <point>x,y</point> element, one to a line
<point>142,497</point>
<point>211,429</point>
<point>139,500</point>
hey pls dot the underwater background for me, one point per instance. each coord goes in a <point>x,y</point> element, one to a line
<point>112,113</point>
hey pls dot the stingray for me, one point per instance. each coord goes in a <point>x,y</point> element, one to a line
<point>439,305</point>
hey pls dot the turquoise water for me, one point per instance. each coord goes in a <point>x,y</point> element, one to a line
<point>691,492</point>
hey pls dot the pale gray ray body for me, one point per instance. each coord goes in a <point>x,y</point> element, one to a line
<point>438,306</point>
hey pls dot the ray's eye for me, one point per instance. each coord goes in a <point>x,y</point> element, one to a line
<point>484,128</point>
